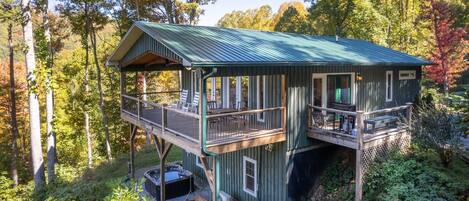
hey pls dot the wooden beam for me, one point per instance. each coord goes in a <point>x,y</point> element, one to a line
<point>133,132</point>
<point>358,164</point>
<point>247,143</point>
<point>208,172</point>
<point>151,67</point>
<point>163,149</point>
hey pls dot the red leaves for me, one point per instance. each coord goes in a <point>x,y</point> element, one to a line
<point>449,45</point>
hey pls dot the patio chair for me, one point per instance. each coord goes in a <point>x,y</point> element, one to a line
<point>318,119</point>
<point>182,99</point>
<point>194,106</point>
<point>212,105</point>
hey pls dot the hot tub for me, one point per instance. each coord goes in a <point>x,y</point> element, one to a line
<point>178,181</point>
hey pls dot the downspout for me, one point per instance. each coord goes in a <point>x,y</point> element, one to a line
<point>203,111</point>
<point>203,130</point>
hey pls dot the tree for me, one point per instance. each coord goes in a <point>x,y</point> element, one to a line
<point>449,44</point>
<point>9,14</point>
<point>294,20</point>
<point>51,138</point>
<point>330,15</point>
<point>259,19</point>
<point>34,115</point>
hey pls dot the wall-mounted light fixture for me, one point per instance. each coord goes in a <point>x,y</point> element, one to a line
<point>358,77</point>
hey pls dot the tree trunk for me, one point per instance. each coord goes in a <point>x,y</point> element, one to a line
<point>34,116</point>
<point>101,95</point>
<point>87,116</point>
<point>13,123</point>
<point>51,149</point>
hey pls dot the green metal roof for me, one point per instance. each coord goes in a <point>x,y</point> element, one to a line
<point>212,46</point>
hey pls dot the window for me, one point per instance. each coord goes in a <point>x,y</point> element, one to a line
<point>250,176</point>
<point>260,96</point>
<point>388,86</point>
<point>198,162</point>
<point>339,89</point>
<point>407,74</point>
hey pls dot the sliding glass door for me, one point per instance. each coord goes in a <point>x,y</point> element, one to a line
<point>339,89</point>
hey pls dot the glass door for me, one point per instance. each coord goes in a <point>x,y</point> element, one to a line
<point>319,90</point>
<point>339,89</point>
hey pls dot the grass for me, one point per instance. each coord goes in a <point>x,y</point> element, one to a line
<point>106,181</point>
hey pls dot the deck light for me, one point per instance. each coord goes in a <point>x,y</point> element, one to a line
<point>359,77</point>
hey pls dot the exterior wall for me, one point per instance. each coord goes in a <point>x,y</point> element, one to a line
<point>146,44</point>
<point>289,173</point>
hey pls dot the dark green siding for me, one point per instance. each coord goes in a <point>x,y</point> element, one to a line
<point>146,44</point>
<point>273,166</point>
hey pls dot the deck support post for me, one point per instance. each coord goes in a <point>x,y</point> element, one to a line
<point>162,148</point>
<point>122,87</point>
<point>409,114</point>
<point>212,173</point>
<point>133,133</point>
<point>358,163</point>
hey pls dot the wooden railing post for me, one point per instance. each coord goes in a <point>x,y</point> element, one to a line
<point>409,114</point>
<point>284,104</point>
<point>309,117</point>
<point>359,151</point>
<point>164,116</point>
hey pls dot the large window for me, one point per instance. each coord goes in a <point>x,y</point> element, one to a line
<point>339,89</point>
<point>388,86</point>
<point>250,176</point>
<point>260,96</point>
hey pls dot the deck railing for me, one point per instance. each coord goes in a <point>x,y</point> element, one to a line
<point>221,128</point>
<point>244,124</point>
<point>350,124</point>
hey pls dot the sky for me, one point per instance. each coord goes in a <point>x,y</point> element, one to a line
<point>213,12</point>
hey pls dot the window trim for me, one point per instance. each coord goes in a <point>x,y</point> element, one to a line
<point>410,72</point>
<point>198,162</point>
<point>389,86</point>
<point>353,86</point>
<point>258,97</point>
<point>249,191</point>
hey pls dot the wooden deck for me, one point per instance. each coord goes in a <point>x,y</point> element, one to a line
<point>225,132</point>
<point>350,141</point>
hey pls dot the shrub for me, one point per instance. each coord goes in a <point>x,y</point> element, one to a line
<point>434,127</point>
<point>409,178</point>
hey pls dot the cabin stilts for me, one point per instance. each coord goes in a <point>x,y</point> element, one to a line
<point>163,149</point>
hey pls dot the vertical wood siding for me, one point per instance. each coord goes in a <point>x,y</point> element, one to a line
<point>146,44</point>
<point>273,166</point>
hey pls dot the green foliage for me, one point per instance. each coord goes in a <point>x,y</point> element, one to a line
<point>434,127</point>
<point>415,177</point>
<point>21,192</point>
<point>337,181</point>
<point>294,21</point>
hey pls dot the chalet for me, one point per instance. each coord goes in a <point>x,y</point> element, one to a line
<point>259,113</point>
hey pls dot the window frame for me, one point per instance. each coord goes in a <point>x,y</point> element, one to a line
<point>255,176</point>
<point>412,74</point>
<point>389,86</point>
<point>198,163</point>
